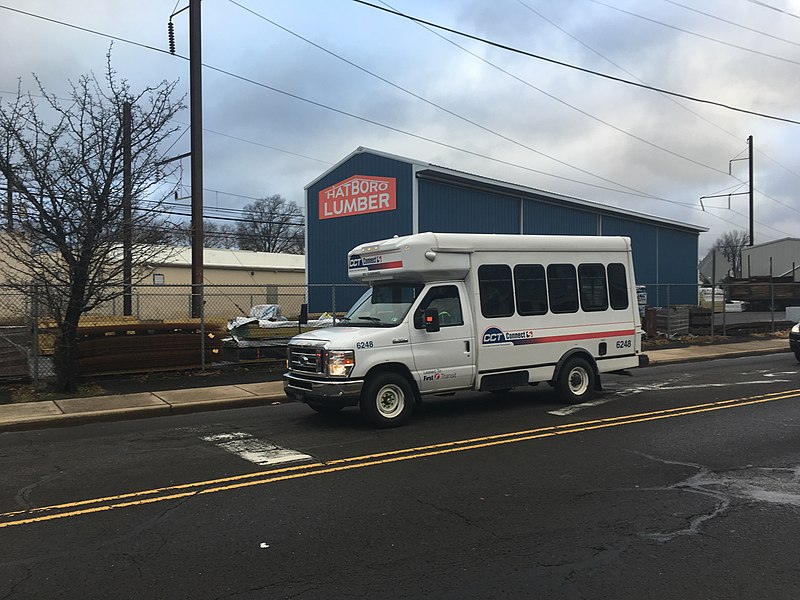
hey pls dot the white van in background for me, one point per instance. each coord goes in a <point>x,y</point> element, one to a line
<point>448,312</point>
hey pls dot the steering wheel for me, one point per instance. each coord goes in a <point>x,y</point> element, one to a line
<point>445,318</point>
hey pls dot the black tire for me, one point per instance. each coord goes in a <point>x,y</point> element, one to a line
<point>387,400</point>
<point>797,355</point>
<point>576,381</point>
<point>325,409</point>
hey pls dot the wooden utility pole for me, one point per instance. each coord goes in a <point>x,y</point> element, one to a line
<point>127,213</point>
<point>196,109</point>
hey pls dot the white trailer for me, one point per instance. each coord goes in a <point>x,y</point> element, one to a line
<point>447,312</point>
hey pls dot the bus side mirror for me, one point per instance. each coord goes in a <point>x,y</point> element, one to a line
<point>303,318</point>
<point>431,319</point>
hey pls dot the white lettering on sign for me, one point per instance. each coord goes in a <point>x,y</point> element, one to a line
<point>358,195</point>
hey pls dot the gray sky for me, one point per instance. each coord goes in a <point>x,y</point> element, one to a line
<point>479,109</point>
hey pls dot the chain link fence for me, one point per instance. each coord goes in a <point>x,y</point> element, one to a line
<point>238,323</point>
<point>674,310</point>
<point>252,323</point>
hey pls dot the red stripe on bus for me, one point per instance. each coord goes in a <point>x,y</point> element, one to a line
<point>397,264</point>
<point>582,336</point>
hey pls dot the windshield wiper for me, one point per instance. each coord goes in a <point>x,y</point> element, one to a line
<point>371,319</point>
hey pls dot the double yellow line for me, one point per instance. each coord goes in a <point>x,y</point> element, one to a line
<point>212,486</point>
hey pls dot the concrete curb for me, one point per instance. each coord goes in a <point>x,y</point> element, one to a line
<point>25,423</point>
<point>700,357</point>
<point>80,411</point>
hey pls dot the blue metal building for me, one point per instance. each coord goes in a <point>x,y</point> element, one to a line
<point>371,195</point>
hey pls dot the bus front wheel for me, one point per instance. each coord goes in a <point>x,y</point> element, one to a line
<point>387,400</point>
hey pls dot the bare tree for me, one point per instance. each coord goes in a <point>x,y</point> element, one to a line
<point>730,244</point>
<point>64,161</point>
<point>272,224</point>
<point>215,235</point>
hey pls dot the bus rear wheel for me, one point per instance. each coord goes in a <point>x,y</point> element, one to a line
<point>576,381</point>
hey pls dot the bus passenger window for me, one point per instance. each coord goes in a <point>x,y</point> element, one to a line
<point>617,286</point>
<point>562,287</point>
<point>496,290</point>
<point>531,289</point>
<point>594,295</point>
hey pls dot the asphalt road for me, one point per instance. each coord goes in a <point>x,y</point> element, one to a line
<point>679,482</point>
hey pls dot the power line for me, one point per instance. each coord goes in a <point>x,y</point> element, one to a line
<point>624,70</point>
<point>575,67</point>
<point>694,33</point>
<point>417,136</point>
<point>729,22</point>
<point>573,107</point>
<point>434,104</point>
<point>443,28</point>
<point>345,113</point>
<point>775,8</point>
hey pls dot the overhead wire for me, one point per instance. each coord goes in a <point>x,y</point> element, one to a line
<point>668,97</point>
<point>539,14</point>
<point>729,22</point>
<point>342,112</point>
<point>321,105</point>
<point>430,102</point>
<point>575,67</point>
<point>694,33</point>
<point>775,8</point>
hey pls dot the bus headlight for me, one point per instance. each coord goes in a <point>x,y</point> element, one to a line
<point>340,363</point>
<point>796,328</point>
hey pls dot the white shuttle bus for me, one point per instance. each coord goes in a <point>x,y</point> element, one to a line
<point>447,312</point>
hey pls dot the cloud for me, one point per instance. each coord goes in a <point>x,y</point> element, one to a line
<point>567,124</point>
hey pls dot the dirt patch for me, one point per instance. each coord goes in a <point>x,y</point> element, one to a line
<point>663,342</point>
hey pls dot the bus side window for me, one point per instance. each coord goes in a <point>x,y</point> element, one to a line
<point>594,294</point>
<point>496,290</point>
<point>617,286</point>
<point>531,290</point>
<point>562,287</point>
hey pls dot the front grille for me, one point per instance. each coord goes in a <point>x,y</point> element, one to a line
<point>305,359</point>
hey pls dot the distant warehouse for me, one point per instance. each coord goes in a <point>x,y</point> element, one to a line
<point>371,195</point>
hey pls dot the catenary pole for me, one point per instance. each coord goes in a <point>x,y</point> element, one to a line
<point>750,162</point>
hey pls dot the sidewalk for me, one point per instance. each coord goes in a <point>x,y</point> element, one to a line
<point>75,411</point>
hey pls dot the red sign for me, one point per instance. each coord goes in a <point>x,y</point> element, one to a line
<point>358,195</point>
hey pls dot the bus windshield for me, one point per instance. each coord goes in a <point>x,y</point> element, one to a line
<point>383,305</point>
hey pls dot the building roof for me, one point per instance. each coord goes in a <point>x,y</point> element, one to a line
<point>218,258</point>
<point>497,186</point>
<point>782,241</point>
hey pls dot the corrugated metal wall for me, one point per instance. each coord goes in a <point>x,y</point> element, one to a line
<point>544,218</point>
<point>662,254</point>
<point>785,255</point>
<point>329,240</point>
<point>449,208</point>
<point>677,264</point>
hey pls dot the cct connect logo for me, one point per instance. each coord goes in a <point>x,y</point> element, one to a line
<point>495,335</point>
